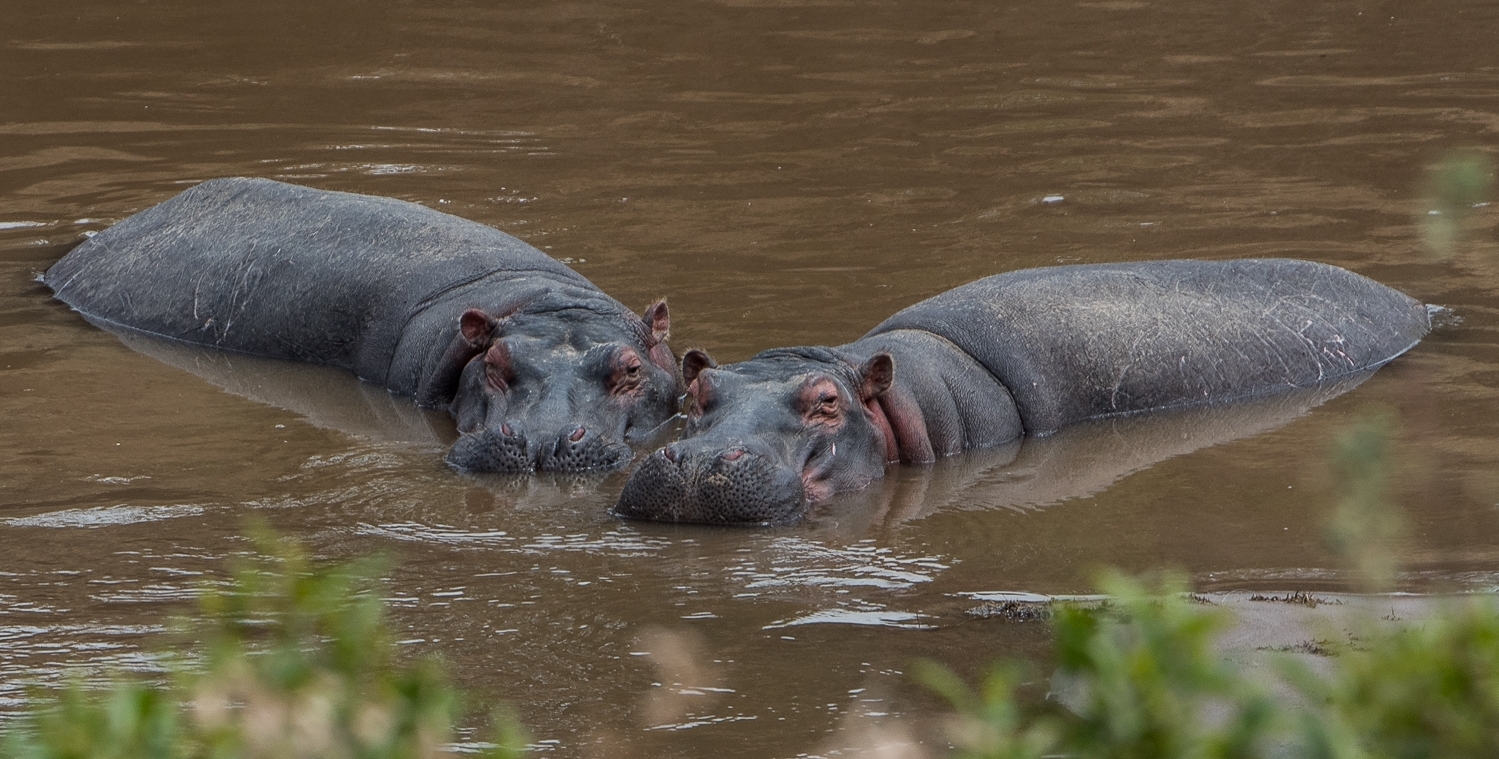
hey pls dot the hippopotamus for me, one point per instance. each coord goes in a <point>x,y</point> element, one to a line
<point>538,367</point>
<point>1020,354</point>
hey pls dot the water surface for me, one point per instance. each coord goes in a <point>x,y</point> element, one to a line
<point>788,172</point>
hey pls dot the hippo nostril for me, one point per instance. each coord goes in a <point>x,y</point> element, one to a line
<point>577,434</point>
<point>670,453</point>
<point>505,430</point>
<point>733,455</point>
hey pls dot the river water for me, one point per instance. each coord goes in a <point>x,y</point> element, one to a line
<point>787,172</point>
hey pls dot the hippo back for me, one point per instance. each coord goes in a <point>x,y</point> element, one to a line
<point>1079,342</point>
<point>272,269</point>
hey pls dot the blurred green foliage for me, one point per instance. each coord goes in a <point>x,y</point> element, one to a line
<point>1460,182</point>
<point>1426,691</point>
<point>289,659</point>
<point>1145,674</point>
<point>1148,681</point>
<point>989,724</point>
<point>1366,525</point>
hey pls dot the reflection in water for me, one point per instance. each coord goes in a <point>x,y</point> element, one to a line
<point>325,396</point>
<point>1076,462</point>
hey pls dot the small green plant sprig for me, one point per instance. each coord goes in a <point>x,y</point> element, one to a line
<point>1142,675</point>
<point>1139,678</point>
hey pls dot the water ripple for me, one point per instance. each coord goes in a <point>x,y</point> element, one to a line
<point>445,534</point>
<point>903,620</point>
<point>794,562</point>
<point>105,516</point>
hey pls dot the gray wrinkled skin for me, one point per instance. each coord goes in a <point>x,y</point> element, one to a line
<point>403,296</point>
<point>1018,354</point>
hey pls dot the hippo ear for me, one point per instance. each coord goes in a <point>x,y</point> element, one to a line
<point>694,363</point>
<point>876,375</point>
<point>658,321</point>
<point>475,325</point>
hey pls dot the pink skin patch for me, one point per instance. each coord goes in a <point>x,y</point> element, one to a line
<point>903,419</point>
<point>700,393</point>
<point>815,483</point>
<point>497,368</point>
<point>818,491</point>
<point>882,425</point>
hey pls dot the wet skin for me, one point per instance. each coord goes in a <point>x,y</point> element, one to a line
<point>558,393</point>
<point>1024,353</point>
<point>540,369</point>
<point>770,436</point>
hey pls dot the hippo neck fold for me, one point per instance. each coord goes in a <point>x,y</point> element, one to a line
<point>941,401</point>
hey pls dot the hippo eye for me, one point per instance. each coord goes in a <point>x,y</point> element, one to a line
<point>819,401</point>
<point>827,405</point>
<point>627,376</point>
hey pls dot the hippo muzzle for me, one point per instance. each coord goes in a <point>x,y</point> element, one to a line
<point>508,450</point>
<point>713,486</point>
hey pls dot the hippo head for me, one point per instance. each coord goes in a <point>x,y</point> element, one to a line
<point>559,390</point>
<point>766,438</point>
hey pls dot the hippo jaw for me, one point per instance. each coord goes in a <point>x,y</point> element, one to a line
<point>558,393</point>
<point>765,440</point>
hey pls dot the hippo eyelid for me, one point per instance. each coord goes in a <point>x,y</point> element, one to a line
<point>625,373</point>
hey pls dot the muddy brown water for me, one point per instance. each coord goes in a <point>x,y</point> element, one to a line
<point>788,172</point>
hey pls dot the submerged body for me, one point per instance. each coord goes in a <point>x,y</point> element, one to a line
<point>1023,353</point>
<point>539,367</point>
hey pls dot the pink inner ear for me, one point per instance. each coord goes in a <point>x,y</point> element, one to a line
<point>658,320</point>
<point>878,374</point>
<point>475,325</point>
<point>694,363</point>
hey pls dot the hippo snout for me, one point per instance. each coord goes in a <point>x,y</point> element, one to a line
<point>728,486</point>
<point>506,449</point>
<point>581,449</point>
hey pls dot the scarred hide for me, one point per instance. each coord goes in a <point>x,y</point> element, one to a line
<point>1024,353</point>
<point>540,368</point>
